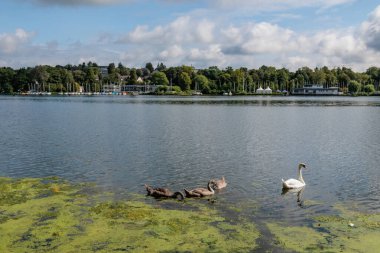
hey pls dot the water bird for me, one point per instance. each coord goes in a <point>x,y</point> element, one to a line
<point>200,192</point>
<point>294,183</point>
<point>219,183</point>
<point>163,193</point>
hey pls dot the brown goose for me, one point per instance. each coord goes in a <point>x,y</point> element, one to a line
<point>219,183</point>
<point>200,192</point>
<point>162,193</point>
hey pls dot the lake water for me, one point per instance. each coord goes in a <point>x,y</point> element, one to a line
<point>181,142</point>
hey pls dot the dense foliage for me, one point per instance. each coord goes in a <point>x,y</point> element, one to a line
<point>211,80</point>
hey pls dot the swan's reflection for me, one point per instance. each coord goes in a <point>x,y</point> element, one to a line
<point>295,191</point>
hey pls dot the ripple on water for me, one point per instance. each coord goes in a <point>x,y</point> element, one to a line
<point>183,142</point>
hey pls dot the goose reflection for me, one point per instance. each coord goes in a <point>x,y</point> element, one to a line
<point>295,191</point>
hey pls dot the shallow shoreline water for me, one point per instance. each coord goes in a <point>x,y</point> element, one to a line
<point>53,215</point>
<point>121,143</point>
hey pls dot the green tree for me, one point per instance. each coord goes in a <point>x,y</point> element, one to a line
<point>90,79</point>
<point>331,79</point>
<point>225,80</point>
<point>78,76</point>
<point>202,83</point>
<point>122,70</point>
<point>40,76</point>
<point>6,77</point>
<point>6,88</point>
<point>161,67</point>
<point>139,72</point>
<point>111,68</point>
<point>149,66</point>
<point>319,76</point>
<point>184,81</point>
<point>344,79</point>
<point>159,78</point>
<point>354,87</point>
<point>21,80</point>
<point>369,88</point>
<point>283,78</point>
<point>132,77</point>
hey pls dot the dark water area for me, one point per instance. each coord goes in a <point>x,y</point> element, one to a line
<point>181,142</point>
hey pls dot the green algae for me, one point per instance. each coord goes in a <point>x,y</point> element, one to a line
<point>52,215</point>
<point>349,231</point>
<point>297,238</point>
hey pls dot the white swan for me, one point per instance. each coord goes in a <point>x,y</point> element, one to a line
<point>294,183</point>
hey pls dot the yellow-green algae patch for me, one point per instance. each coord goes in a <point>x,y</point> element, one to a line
<point>51,215</point>
<point>350,231</point>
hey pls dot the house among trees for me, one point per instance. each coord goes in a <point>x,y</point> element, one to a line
<point>183,79</point>
<point>140,80</point>
<point>140,88</point>
<point>316,89</point>
<point>111,89</point>
<point>103,71</point>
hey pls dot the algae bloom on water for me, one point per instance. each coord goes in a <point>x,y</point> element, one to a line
<point>331,233</point>
<point>52,215</point>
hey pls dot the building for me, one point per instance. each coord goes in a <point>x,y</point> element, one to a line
<point>316,90</point>
<point>103,71</point>
<point>111,89</point>
<point>140,88</point>
<point>268,90</point>
<point>260,90</point>
<point>140,80</point>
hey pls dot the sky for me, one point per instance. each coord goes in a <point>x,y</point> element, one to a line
<point>201,33</point>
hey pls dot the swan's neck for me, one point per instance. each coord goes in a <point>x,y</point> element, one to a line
<point>300,178</point>
<point>210,188</point>
<point>176,194</point>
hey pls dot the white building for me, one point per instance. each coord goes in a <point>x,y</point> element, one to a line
<point>260,90</point>
<point>268,90</point>
<point>316,90</point>
<point>111,89</point>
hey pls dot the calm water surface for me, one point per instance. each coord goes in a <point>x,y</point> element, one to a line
<point>123,142</point>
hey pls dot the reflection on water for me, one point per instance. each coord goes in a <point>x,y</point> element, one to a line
<point>174,142</point>
<point>296,192</point>
<point>209,100</point>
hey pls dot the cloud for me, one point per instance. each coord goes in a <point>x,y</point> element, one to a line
<point>371,30</point>
<point>143,34</point>
<point>259,38</point>
<point>171,52</point>
<point>79,2</point>
<point>202,42</point>
<point>270,5</point>
<point>210,53</point>
<point>227,5</point>
<point>10,42</point>
<point>184,29</point>
<point>204,31</point>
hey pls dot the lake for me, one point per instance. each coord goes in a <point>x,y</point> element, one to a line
<point>181,142</point>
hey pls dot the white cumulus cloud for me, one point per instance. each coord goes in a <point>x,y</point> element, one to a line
<point>203,41</point>
<point>10,42</point>
<point>269,5</point>
<point>371,30</point>
<point>79,2</point>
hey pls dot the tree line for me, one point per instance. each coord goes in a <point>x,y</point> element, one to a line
<point>183,79</point>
